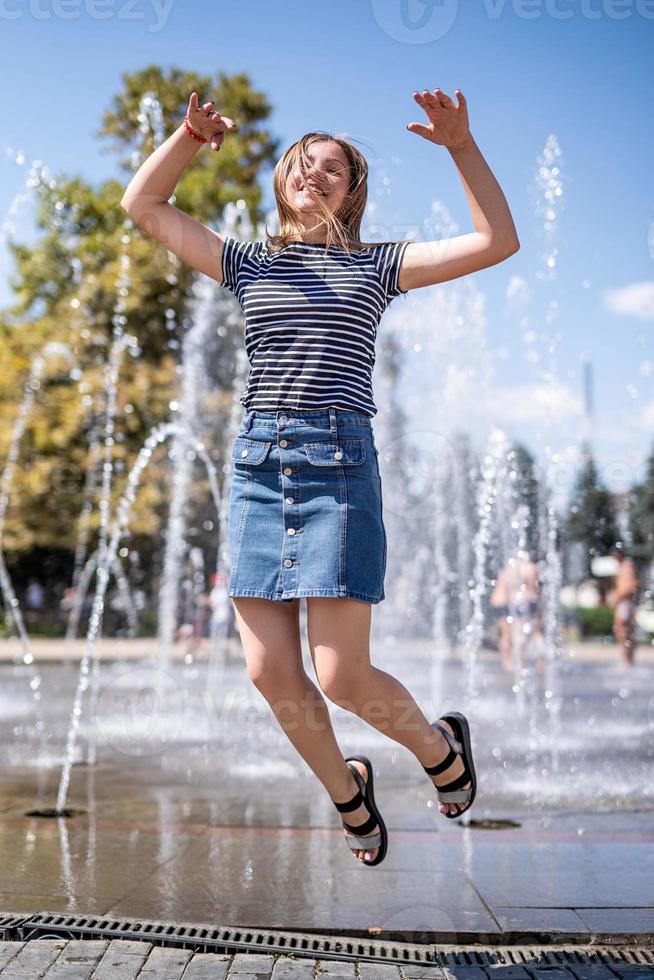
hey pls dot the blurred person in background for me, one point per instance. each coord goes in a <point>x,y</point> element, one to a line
<point>516,599</point>
<point>622,600</point>
<point>223,620</point>
<point>34,602</point>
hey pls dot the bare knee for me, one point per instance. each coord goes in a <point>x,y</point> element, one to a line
<point>270,636</point>
<point>339,633</point>
<point>274,667</point>
<point>270,677</point>
<point>344,687</point>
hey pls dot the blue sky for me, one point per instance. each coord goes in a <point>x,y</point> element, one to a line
<point>580,72</point>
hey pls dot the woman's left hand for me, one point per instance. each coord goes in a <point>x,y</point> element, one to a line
<point>448,122</point>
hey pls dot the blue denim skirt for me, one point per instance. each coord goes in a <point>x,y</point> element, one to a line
<point>305,507</point>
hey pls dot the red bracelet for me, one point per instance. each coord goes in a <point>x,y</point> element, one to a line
<point>191,132</point>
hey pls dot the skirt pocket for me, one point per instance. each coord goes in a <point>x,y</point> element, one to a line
<point>347,452</point>
<point>252,452</point>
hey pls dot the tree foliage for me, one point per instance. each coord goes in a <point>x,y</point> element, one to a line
<point>65,289</point>
<point>641,516</point>
<point>591,517</point>
<point>527,491</point>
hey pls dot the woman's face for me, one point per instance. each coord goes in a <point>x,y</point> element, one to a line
<point>327,180</point>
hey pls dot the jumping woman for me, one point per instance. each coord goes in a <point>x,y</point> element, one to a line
<point>305,508</point>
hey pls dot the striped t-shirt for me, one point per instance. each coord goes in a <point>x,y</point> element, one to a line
<point>311,318</point>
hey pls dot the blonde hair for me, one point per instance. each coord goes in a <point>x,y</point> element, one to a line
<point>344,226</point>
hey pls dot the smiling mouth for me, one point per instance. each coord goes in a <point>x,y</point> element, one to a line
<point>316,189</point>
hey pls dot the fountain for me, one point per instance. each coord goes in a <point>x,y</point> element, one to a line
<point>453,516</point>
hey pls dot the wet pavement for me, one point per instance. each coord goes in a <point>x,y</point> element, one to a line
<point>197,809</point>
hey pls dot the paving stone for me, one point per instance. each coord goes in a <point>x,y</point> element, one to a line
<point>550,973</point>
<point>464,972</point>
<point>130,946</point>
<point>559,924</point>
<point>379,971</point>
<point>207,966</point>
<point>592,971</point>
<point>8,950</point>
<point>615,923</point>
<point>77,960</point>
<point>122,960</point>
<point>252,963</point>
<point>335,968</point>
<point>503,971</point>
<point>249,976</point>
<point>165,963</point>
<point>633,971</point>
<point>301,968</point>
<point>418,972</point>
<point>34,958</point>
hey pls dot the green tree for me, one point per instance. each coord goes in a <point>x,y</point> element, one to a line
<point>66,291</point>
<point>641,516</point>
<point>591,518</point>
<point>527,491</point>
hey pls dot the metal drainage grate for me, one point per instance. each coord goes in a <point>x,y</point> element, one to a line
<point>10,922</point>
<point>210,939</point>
<point>207,939</point>
<point>549,957</point>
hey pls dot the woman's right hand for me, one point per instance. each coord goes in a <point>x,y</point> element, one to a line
<point>206,122</point>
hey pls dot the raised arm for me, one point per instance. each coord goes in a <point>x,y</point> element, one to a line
<point>495,237</point>
<point>146,197</point>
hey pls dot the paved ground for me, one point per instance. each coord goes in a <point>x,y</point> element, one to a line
<point>124,960</point>
<point>44,649</point>
<point>197,808</point>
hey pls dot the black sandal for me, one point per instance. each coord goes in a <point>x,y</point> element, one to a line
<point>459,745</point>
<point>364,796</point>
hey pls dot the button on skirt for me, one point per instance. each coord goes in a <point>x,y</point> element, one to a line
<point>305,507</point>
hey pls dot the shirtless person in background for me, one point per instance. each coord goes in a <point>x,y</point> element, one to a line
<point>622,599</point>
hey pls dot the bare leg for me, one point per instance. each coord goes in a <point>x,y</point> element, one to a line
<point>505,644</point>
<point>539,642</point>
<point>339,634</point>
<point>519,638</point>
<point>270,634</point>
<point>623,630</point>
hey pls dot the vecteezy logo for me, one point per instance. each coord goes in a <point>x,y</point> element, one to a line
<point>414,466</point>
<point>415,21</point>
<point>141,711</point>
